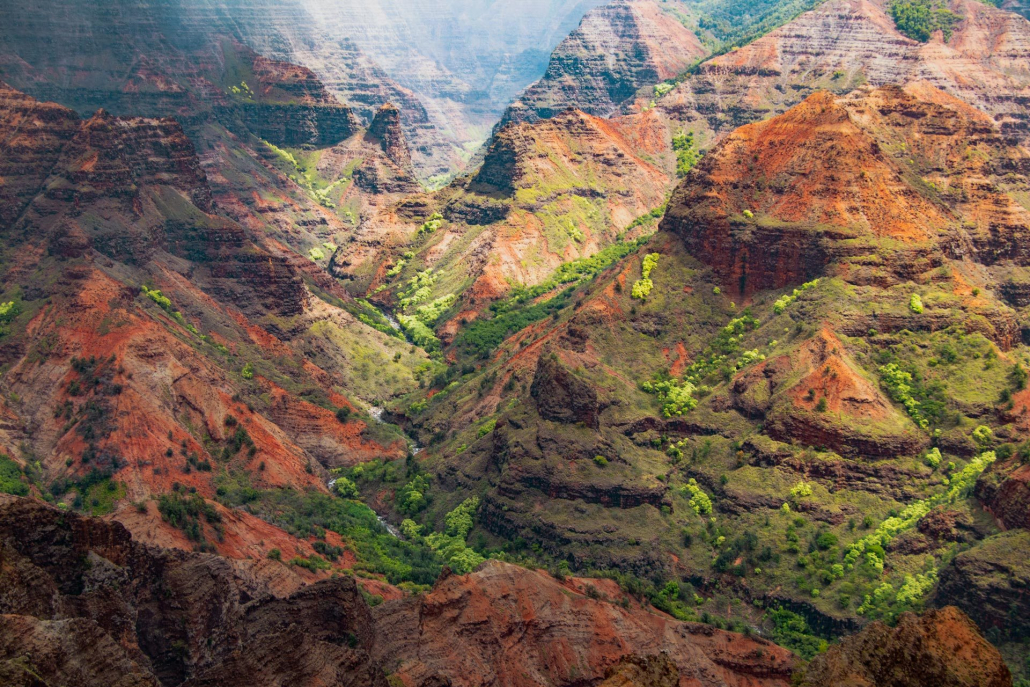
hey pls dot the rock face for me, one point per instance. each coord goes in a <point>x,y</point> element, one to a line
<point>818,189</point>
<point>386,130</point>
<point>85,604</point>
<point>34,135</point>
<point>101,207</point>
<point>547,193</point>
<point>990,582</point>
<point>458,634</point>
<point>184,62</point>
<point>464,60</point>
<point>848,42</point>
<point>856,420</point>
<point>941,647</point>
<point>617,49</point>
<point>561,397</point>
<point>635,671</point>
<point>108,190</point>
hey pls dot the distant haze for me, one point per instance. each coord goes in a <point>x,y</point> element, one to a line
<point>467,59</point>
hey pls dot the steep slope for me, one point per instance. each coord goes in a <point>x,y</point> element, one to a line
<point>84,602</point>
<point>177,64</point>
<point>844,43</point>
<point>616,50</point>
<point>139,358</point>
<point>931,645</point>
<point>548,193</point>
<point>793,188</point>
<point>460,630</point>
<point>465,59</point>
<point>795,428</point>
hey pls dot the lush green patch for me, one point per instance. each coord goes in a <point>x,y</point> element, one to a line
<point>184,512</point>
<point>12,481</point>
<point>784,302</point>
<point>687,154</point>
<point>482,337</point>
<point>642,287</point>
<point>418,332</point>
<point>164,302</point>
<point>919,19</point>
<point>790,630</point>
<point>677,396</point>
<point>574,272</point>
<point>307,514</point>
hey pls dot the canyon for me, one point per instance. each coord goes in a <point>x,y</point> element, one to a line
<point>640,343</point>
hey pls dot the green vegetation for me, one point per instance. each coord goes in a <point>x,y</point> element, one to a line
<point>418,332</point>
<point>677,396</point>
<point>411,498</point>
<point>687,154</point>
<point>915,304</point>
<point>450,545</point>
<point>919,19</point>
<point>482,337</point>
<point>184,512</point>
<point>791,630</point>
<point>903,387</point>
<point>725,24</point>
<point>430,313</point>
<point>642,287</point>
<point>8,311</point>
<point>700,502</point>
<point>12,481</point>
<point>655,214</point>
<point>306,514</point>
<point>869,551</point>
<point>784,302</point>
<point>430,226</point>
<point>164,302</point>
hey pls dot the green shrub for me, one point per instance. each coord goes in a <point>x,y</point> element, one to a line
<point>12,481</point>
<point>700,502</point>
<point>919,19</point>
<point>411,498</point>
<point>687,154</point>
<point>345,488</point>
<point>486,427</point>
<point>915,304</point>
<point>459,521</point>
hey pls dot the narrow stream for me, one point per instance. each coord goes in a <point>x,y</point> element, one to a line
<point>376,412</point>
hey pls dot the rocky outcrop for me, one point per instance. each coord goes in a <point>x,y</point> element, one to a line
<point>459,634</point>
<point>84,603</point>
<point>1004,490</point>
<point>817,397</point>
<point>386,130</point>
<point>844,43</point>
<point>991,583</point>
<point>617,49</point>
<point>561,397</point>
<point>165,59</point>
<point>129,187</point>
<point>941,647</point>
<point>779,202</point>
<point>388,168</point>
<point>34,134</point>
<point>637,671</point>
